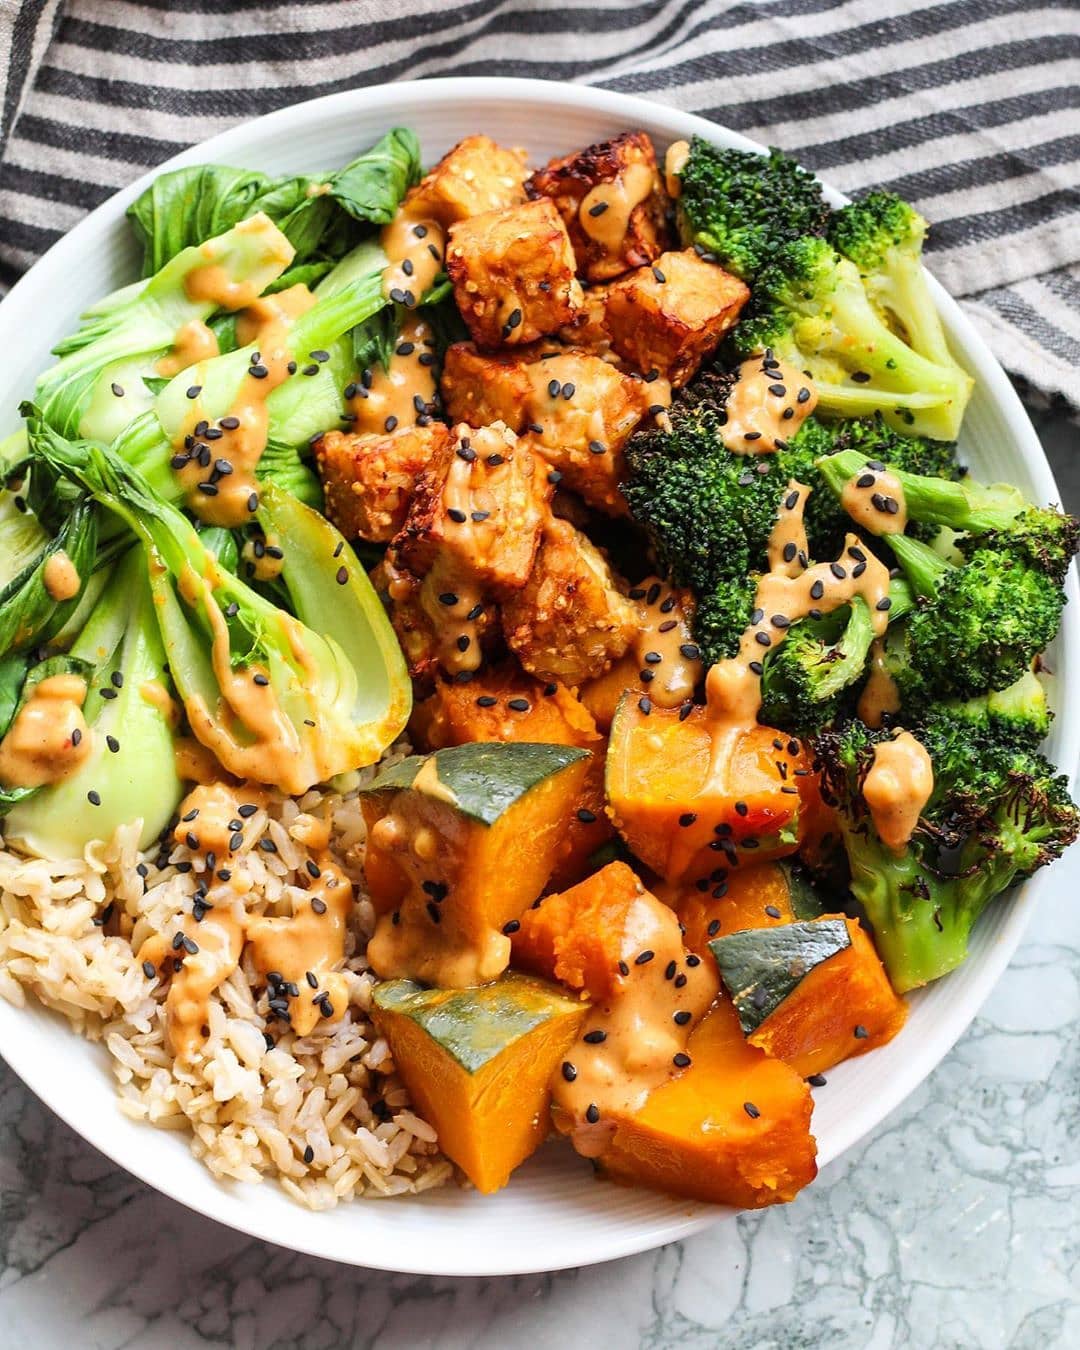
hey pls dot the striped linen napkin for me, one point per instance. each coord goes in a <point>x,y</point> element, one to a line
<point>969,108</point>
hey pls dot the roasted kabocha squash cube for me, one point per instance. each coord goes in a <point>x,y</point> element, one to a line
<point>502,703</point>
<point>477,175</point>
<point>684,815</point>
<point>460,842</point>
<point>478,1064</point>
<point>729,900</point>
<point>811,993</point>
<point>669,317</point>
<point>733,1129</point>
<point>513,274</point>
<point>612,199</point>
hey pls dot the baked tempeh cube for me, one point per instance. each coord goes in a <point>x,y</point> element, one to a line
<point>513,274</point>
<point>668,317</point>
<point>477,175</point>
<point>368,480</point>
<point>570,622</point>
<point>477,510</point>
<point>613,203</point>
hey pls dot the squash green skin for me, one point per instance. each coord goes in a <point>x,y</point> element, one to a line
<point>761,967</point>
<point>485,778</point>
<point>475,1026</point>
<point>807,902</point>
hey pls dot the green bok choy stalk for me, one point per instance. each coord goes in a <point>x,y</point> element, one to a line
<point>273,699</point>
<point>98,385</point>
<point>129,773</point>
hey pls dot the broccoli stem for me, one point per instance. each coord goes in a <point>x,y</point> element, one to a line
<point>922,566</point>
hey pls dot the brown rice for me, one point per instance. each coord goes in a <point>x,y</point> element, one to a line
<point>324,1114</point>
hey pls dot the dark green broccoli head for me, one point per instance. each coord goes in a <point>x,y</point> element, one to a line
<point>871,229</point>
<point>978,627</point>
<point>740,207</point>
<point>722,616</point>
<point>875,439</point>
<point>806,677</point>
<point>998,811</point>
<point>811,308</point>
<point>1042,536</point>
<point>1019,713</point>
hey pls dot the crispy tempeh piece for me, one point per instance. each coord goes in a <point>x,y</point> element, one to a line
<point>612,199</point>
<point>368,480</point>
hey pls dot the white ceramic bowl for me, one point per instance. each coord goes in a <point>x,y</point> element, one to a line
<point>554,1214</point>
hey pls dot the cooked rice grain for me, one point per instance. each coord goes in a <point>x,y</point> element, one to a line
<point>252,1111</point>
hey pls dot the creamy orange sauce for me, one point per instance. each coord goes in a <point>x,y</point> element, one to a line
<point>897,788</point>
<point>193,342</point>
<point>61,576</point>
<point>265,315</point>
<point>766,407</point>
<point>665,633</point>
<point>678,152</point>
<point>788,551</point>
<point>414,243</point>
<point>49,739</point>
<point>263,557</point>
<point>193,762</point>
<point>289,948</point>
<point>874,499</point>
<point>429,782</point>
<point>405,392</point>
<point>628,1045</point>
<point>605,211</point>
<point>248,731</point>
<point>309,942</point>
<point>218,940</point>
<point>216,463</point>
<point>880,694</point>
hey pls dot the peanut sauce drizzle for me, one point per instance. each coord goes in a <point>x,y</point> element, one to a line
<point>61,577</point>
<point>664,647</point>
<point>414,244</point>
<point>874,499</point>
<point>283,948</point>
<point>678,152</point>
<point>897,787</point>
<point>49,739</point>
<point>605,211</point>
<point>193,342</point>
<point>403,394</point>
<point>639,1037</point>
<point>880,694</point>
<point>767,405</point>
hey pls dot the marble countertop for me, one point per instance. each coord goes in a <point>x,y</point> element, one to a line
<point>955,1224</point>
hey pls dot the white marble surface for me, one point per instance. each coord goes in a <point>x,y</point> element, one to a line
<point>956,1224</point>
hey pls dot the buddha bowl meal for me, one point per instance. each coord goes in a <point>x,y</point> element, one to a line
<point>505,652</point>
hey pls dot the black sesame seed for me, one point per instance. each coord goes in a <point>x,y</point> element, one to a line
<point>586,817</point>
<point>817,1080</point>
<point>511,927</point>
<point>486,701</point>
<point>624,969</point>
<point>681,1018</point>
<point>76,736</point>
<point>319,906</point>
<point>518,704</point>
<point>118,390</point>
<point>687,818</point>
<point>599,208</point>
<point>643,958</point>
<point>693,960</point>
<point>789,552</point>
<point>568,1071</point>
<point>680,981</point>
<point>778,390</point>
<point>860,377</point>
<point>751,1110</point>
<point>645,704</point>
<point>592,1113</point>
<point>884,603</point>
<point>865,480</point>
<point>861,1033</point>
<point>94,798</point>
<point>681,1060</point>
<point>342,575</point>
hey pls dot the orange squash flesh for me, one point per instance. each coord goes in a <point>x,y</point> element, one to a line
<point>750,893</point>
<point>603,695</point>
<point>682,825</point>
<point>458,713</point>
<point>697,1135</point>
<point>478,1064</point>
<point>815,1026</point>
<point>579,936</point>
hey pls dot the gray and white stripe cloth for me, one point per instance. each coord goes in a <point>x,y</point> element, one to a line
<point>969,108</point>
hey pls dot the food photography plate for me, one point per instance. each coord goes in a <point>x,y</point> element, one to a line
<point>554,1214</point>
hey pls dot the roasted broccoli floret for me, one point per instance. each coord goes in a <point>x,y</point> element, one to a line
<point>993,516</point>
<point>997,813</point>
<point>1019,713</point>
<point>979,624</point>
<point>740,207</point>
<point>722,616</point>
<point>807,679</point>
<point>809,307</point>
<point>883,236</point>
